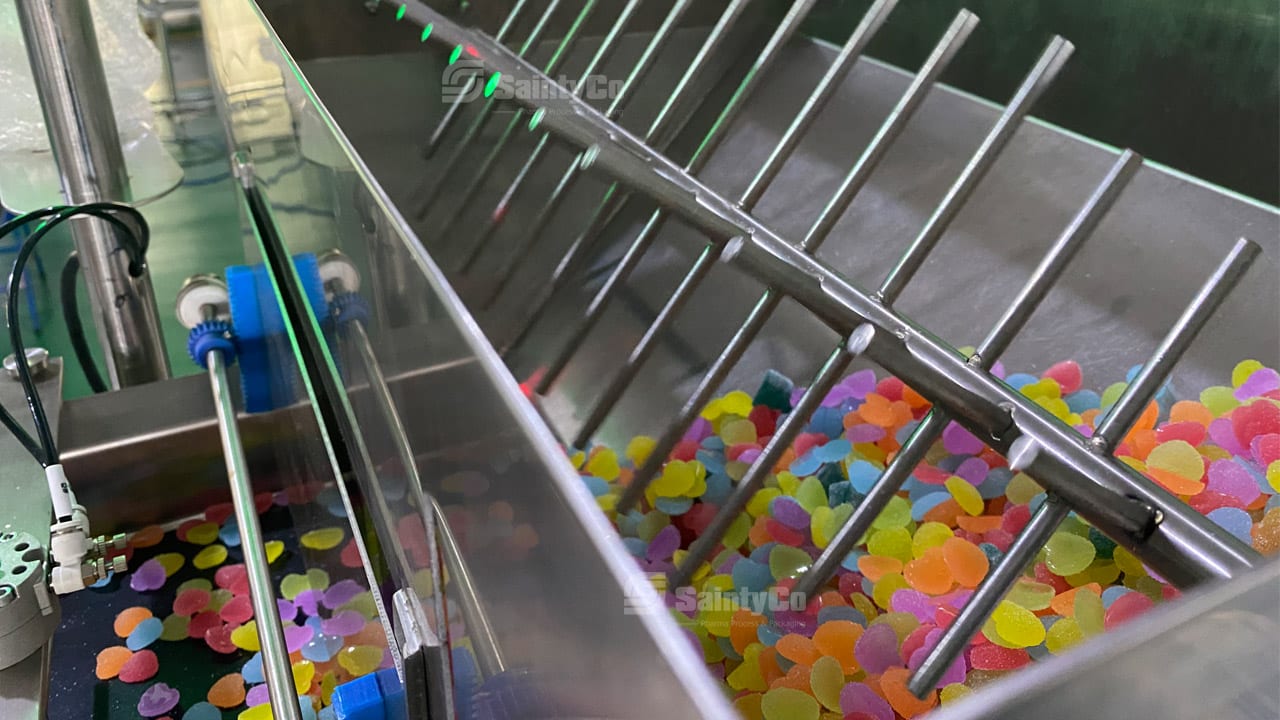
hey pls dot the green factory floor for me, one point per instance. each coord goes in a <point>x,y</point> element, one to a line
<point>195,229</point>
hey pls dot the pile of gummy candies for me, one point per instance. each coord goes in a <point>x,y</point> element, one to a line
<point>331,630</point>
<point>849,653</point>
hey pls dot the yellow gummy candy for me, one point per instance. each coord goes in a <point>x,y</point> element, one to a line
<point>1088,613</point>
<point>274,549</point>
<point>304,671</point>
<point>1178,457</point>
<point>747,675</point>
<point>360,659</point>
<point>817,526</point>
<point>929,535</point>
<point>784,703</point>
<point>639,449</point>
<point>210,556</point>
<point>737,532</point>
<point>257,712</point>
<point>1273,475</point>
<point>966,495</point>
<point>328,682</point>
<point>1019,626</point>
<point>172,562</point>
<point>1220,400</point>
<point>884,589</point>
<point>738,432</point>
<point>575,459</point>
<point>245,637</point>
<point>1062,635</point>
<point>218,598</point>
<point>1243,370</point>
<point>323,538</point>
<point>736,403</point>
<point>894,543</point>
<point>953,692</point>
<point>759,503</point>
<point>604,465</point>
<point>1045,388</point>
<point>363,604</point>
<point>902,623</point>
<point>1021,489</point>
<point>676,479</point>
<point>203,534</point>
<point>826,678</point>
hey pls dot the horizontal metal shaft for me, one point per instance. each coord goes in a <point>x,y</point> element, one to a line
<point>702,548</point>
<point>799,127</point>
<point>889,131</point>
<point>913,451</point>
<point>1036,82</point>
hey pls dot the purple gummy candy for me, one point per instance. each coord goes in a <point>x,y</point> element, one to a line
<point>864,433</point>
<point>1230,478</point>
<point>150,575</point>
<point>973,471</point>
<point>295,636</point>
<point>308,601</point>
<point>1263,380</point>
<point>860,383</point>
<point>288,611</point>
<point>700,429</point>
<point>837,395</point>
<point>792,621</point>
<point>664,544</point>
<point>998,370</point>
<point>789,512</point>
<point>1222,434</point>
<point>347,622</point>
<point>341,593</point>
<point>954,599</point>
<point>257,695</point>
<point>959,441</point>
<point>157,700</point>
<point>877,649</point>
<point>915,602</point>
<point>955,672</point>
<point>859,697</point>
<point>749,455</point>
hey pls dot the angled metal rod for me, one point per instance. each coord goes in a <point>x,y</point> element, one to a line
<point>813,106</point>
<point>1006,573</point>
<point>603,53</point>
<point>460,203</point>
<point>858,176</point>
<point>480,121</point>
<point>1036,82</point>
<point>707,259</point>
<point>1135,398</point>
<point>611,203</point>
<point>709,539</point>
<point>1014,319</point>
<point>451,114</point>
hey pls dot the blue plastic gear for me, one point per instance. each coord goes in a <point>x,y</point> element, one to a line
<point>209,336</point>
<point>348,307</point>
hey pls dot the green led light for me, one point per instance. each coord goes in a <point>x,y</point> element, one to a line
<point>492,85</point>
<point>400,12</point>
<point>426,31</point>
<point>457,53</point>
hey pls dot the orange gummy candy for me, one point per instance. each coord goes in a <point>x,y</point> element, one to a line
<point>979,524</point>
<point>769,668</point>
<point>1190,411</point>
<point>228,691</point>
<point>894,686</point>
<point>929,573</point>
<point>147,537</point>
<point>742,628</point>
<point>797,678</point>
<point>877,410</point>
<point>966,561</point>
<point>128,619</point>
<point>874,567</point>
<point>798,649</point>
<point>1064,603</point>
<point>836,639</point>
<point>110,660</point>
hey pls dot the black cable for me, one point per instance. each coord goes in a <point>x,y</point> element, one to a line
<point>134,241</point>
<point>71,316</point>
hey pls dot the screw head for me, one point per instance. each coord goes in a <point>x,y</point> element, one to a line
<point>37,361</point>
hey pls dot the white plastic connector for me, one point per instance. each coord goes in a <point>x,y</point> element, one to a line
<point>60,492</point>
<point>66,580</point>
<point>69,541</point>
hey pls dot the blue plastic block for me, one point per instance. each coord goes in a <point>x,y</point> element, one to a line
<point>392,694</point>
<point>359,699</point>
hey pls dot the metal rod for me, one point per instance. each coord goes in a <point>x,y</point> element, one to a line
<point>753,480</point>
<point>892,127</point>
<point>988,595</point>
<point>451,114</point>
<point>1112,427</point>
<point>1037,533</point>
<point>800,125</point>
<point>613,199</point>
<point>478,178</point>
<point>499,213</point>
<point>913,451</point>
<point>481,120</point>
<point>72,86</point>
<point>1039,79</point>
<point>275,655</point>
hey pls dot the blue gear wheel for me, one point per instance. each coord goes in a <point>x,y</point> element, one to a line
<point>348,307</point>
<point>209,336</point>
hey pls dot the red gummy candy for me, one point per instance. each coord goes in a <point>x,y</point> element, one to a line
<point>1046,576</point>
<point>765,419</point>
<point>1125,608</point>
<point>784,534</point>
<point>219,639</point>
<point>735,451</point>
<point>201,623</point>
<point>218,513</point>
<point>684,450</point>
<point>350,555</point>
<point>994,657</point>
<point>1067,374</point>
<point>226,575</point>
<point>190,601</point>
<point>807,441</point>
<point>1267,448</point>
<point>915,640</point>
<point>1190,431</point>
<point>142,666</point>
<point>999,537</point>
<point>1207,501</point>
<point>181,532</point>
<point>1260,417</point>
<point>1015,518</point>
<point>237,611</point>
<point>890,388</point>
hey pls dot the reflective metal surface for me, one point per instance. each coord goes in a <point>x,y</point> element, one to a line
<point>82,131</point>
